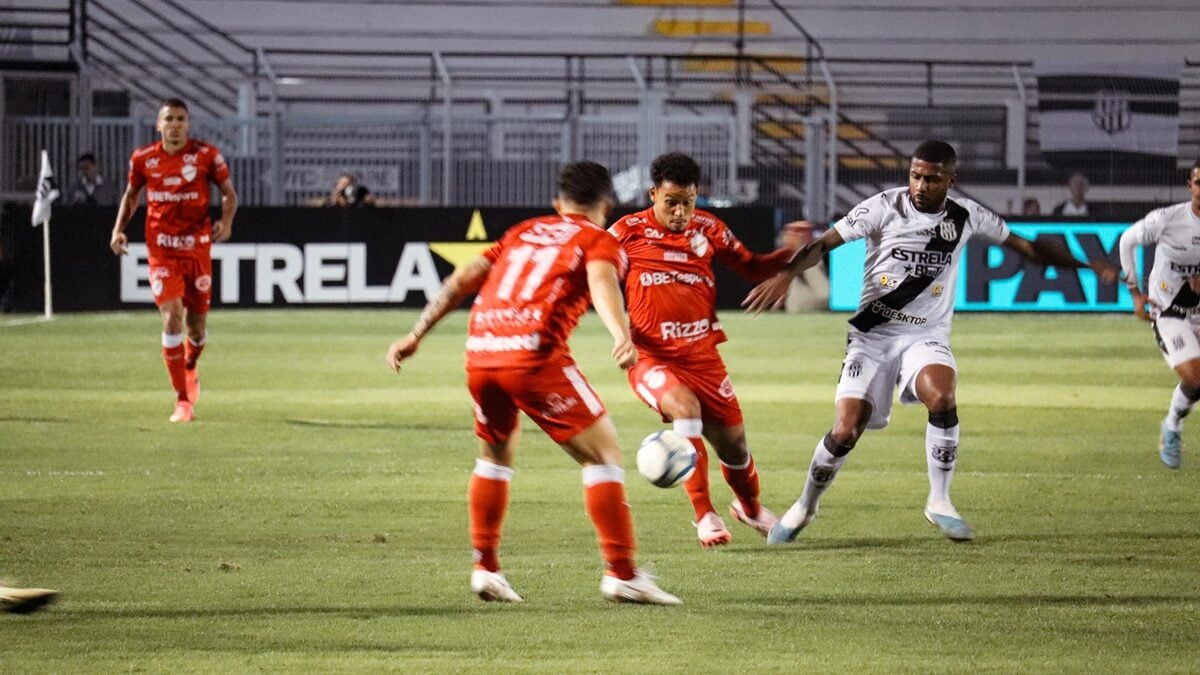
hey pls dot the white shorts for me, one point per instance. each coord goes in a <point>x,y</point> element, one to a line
<point>1178,340</point>
<point>876,364</point>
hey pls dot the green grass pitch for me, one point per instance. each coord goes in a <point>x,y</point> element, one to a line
<point>314,517</point>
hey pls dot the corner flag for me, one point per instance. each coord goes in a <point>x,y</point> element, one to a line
<point>46,192</point>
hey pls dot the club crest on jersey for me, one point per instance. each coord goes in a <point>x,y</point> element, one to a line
<point>699,244</point>
<point>936,291</point>
<point>886,281</point>
<point>189,172</point>
<point>947,230</point>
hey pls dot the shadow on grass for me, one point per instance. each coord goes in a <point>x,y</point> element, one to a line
<point>20,418</point>
<point>802,545</point>
<point>397,611</point>
<point>391,426</point>
<point>1000,600</point>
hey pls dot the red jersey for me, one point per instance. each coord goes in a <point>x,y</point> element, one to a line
<point>670,291</point>
<point>177,196</point>
<point>536,290</point>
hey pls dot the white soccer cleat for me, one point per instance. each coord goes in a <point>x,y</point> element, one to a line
<point>493,587</point>
<point>786,529</point>
<point>712,531</point>
<point>947,519</point>
<point>762,523</point>
<point>183,412</point>
<point>640,589</point>
<point>25,600</point>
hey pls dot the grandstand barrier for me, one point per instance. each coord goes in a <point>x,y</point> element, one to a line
<point>994,279</point>
<point>294,257</point>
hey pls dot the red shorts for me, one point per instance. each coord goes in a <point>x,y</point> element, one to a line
<point>652,379</point>
<point>182,277</point>
<point>556,396</point>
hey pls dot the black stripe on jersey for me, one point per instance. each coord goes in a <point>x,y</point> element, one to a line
<point>911,287</point>
<point>1186,298</point>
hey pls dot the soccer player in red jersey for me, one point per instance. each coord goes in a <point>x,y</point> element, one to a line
<point>533,285</point>
<point>671,295</point>
<point>176,172</point>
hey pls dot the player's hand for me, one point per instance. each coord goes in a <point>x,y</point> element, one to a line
<point>1107,272</point>
<point>1140,301</point>
<point>119,243</point>
<point>624,353</point>
<point>402,349</point>
<point>222,231</point>
<point>770,294</point>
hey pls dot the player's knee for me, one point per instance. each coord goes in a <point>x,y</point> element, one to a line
<point>939,401</point>
<point>680,404</point>
<point>844,435</point>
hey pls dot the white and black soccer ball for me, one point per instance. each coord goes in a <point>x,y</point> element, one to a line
<point>666,459</point>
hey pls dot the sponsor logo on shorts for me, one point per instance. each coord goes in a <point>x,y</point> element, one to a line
<point>655,377</point>
<point>557,405</point>
<point>726,388</point>
<point>203,283</point>
<point>854,369</point>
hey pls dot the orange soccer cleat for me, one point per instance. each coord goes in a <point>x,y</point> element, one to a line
<point>193,384</point>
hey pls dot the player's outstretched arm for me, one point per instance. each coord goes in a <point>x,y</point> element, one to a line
<point>610,306</point>
<point>223,228</point>
<point>119,243</point>
<point>1049,252</point>
<point>463,282</point>
<point>771,293</point>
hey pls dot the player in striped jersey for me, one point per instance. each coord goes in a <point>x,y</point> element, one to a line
<point>900,337</point>
<point>1171,302</point>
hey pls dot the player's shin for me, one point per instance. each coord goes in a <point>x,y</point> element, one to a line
<point>606,504</point>
<point>697,485</point>
<point>941,452</point>
<point>194,348</point>
<point>743,480</point>
<point>828,458</point>
<point>174,358</point>
<point>1183,399</point>
<point>487,502</point>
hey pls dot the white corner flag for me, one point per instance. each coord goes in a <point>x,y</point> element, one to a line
<point>46,193</point>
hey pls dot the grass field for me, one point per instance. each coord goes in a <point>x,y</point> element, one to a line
<point>314,517</point>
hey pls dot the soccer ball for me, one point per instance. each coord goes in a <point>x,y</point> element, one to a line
<point>666,459</point>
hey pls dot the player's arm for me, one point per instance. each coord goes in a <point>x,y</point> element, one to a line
<point>610,306</point>
<point>463,282</point>
<point>223,228</point>
<point>119,243</point>
<point>1049,252</point>
<point>771,293</point>
<point>1135,236</point>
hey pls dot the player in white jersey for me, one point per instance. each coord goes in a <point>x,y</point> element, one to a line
<point>900,337</point>
<point>1173,297</point>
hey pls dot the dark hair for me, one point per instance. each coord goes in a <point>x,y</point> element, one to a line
<point>675,167</point>
<point>936,152</point>
<point>86,157</point>
<point>585,183</point>
<point>1196,165</point>
<point>173,103</point>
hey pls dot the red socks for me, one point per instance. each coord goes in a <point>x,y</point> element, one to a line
<point>744,482</point>
<point>604,499</point>
<point>487,501</point>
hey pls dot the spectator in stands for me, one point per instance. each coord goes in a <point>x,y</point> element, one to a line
<point>1031,208</point>
<point>1076,205</point>
<point>89,187</point>
<point>808,292</point>
<point>347,191</point>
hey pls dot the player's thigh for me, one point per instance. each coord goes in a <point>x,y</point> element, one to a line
<point>167,280</point>
<point>916,357</point>
<point>710,382</point>
<point>869,374</point>
<point>197,289</point>
<point>495,411</point>
<point>557,397</point>
<point>1178,340</point>
<point>657,384</point>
